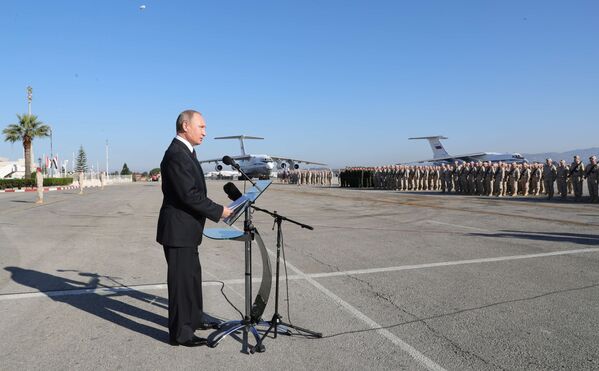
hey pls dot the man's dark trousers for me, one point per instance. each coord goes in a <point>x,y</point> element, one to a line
<point>184,281</point>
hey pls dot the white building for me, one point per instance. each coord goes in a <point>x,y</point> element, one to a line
<point>13,169</point>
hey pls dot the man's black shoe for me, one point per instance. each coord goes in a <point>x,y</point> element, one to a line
<point>195,341</point>
<point>209,326</point>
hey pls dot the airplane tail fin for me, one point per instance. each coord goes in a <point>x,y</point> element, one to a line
<point>435,143</point>
<point>241,138</point>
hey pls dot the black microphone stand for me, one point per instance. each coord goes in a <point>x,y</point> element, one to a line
<point>277,319</point>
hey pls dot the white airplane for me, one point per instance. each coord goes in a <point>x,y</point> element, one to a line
<point>440,155</point>
<point>258,166</point>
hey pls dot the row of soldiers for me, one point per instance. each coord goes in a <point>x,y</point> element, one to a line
<point>482,178</point>
<point>307,177</point>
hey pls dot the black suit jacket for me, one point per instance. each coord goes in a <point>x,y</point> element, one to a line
<point>185,205</point>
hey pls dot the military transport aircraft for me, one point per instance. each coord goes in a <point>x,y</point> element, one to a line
<point>440,155</point>
<point>259,166</point>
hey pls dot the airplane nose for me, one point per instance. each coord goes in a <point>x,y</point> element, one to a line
<point>270,165</point>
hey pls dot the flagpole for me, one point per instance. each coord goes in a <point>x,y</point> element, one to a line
<point>51,155</point>
<point>29,99</point>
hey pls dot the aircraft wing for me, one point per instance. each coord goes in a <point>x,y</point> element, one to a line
<point>287,159</point>
<point>217,160</point>
<point>466,157</point>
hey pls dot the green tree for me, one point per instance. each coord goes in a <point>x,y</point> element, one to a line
<point>28,128</point>
<point>81,161</point>
<point>155,171</point>
<point>125,170</point>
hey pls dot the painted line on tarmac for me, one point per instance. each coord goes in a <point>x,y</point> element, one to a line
<point>239,281</point>
<point>419,357</point>
<point>458,226</point>
<point>451,263</point>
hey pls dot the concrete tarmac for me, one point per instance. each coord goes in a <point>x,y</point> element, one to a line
<point>395,281</point>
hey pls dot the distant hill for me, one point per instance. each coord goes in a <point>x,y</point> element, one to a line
<point>568,156</point>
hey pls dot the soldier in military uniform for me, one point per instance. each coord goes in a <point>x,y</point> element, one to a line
<point>480,179</point>
<point>576,174</point>
<point>506,168</point>
<point>570,187</point>
<point>471,178</point>
<point>423,178</point>
<point>562,178</point>
<point>542,181</point>
<point>449,178</point>
<point>442,174</point>
<point>489,178</point>
<point>498,179</point>
<point>535,179</point>
<point>464,178</point>
<point>397,185</point>
<point>457,169</point>
<point>513,176</point>
<point>591,173</point>
<point>402,178</point>
<point>549,176</point>
<point>81,181</point>
<point>416,178</point>
<point>376,178</point>
<point>39,182</point>
<point>432,178</point>
<point>525,176</point>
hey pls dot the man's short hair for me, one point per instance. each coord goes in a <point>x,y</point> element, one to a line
<point>185,116</point>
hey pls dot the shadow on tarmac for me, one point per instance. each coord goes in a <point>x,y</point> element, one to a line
<point>105,306</point>
<point>576,238</point>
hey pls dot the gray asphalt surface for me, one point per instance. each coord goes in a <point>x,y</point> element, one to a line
<point>393,280</point>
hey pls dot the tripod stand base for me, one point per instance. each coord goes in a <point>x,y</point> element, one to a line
<point>288,326</point>
<point>277,326</point>
<point>232,327</point>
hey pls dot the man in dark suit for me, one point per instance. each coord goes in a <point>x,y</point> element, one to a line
<point>184,210</point>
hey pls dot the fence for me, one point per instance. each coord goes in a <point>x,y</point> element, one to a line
<point>93,179</point>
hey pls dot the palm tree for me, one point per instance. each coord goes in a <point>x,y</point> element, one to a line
<point>27,129</point>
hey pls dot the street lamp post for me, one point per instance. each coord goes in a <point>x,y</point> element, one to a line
<point>29,98</point>
<point>106,159</point>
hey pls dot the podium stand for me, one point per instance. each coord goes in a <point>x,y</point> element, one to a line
<point>253,312</point>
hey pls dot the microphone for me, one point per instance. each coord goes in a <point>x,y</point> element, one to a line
<point>231,190</point>
<point>227,160</point>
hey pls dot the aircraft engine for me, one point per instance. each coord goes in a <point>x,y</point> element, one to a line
<point>294,166</point>
<point>283,165</point>
<point>218,167</point>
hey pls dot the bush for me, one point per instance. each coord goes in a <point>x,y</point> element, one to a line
<point>25,183</point>
<point>49,182</point>
<point>16,183</point>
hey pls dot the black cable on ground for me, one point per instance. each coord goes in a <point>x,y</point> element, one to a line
<point>222,291</point>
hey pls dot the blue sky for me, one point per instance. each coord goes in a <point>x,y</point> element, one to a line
<point>341,82</point>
